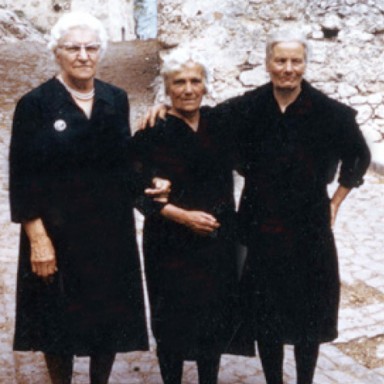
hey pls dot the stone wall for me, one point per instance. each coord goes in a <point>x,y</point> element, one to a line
<point>13,28</point>
<point>116,15</point>
<point>346,38</point>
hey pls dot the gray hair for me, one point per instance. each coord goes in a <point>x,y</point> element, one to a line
<point>179,58</point>
<point>77,20</point>
<point>286,35</point>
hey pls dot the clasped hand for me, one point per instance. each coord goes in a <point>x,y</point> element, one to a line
<point>201,222</point>
<point>160,190</point>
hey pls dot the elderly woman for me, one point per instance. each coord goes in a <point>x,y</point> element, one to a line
<point>71,187</point>
<point>292,139</point>
<point>189,247</point>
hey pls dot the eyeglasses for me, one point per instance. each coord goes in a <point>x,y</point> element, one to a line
<point>75,49</point>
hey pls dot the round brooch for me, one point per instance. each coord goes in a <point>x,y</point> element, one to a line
<point>60,125</point>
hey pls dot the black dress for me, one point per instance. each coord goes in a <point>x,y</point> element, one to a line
<point>291,283</point>
<point>73,173</point>
<point>191,278</point>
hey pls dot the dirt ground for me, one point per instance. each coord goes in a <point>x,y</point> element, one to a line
<point>360,294</point>
<point>367,351</point>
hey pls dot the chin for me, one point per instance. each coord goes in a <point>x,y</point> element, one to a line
<point>85,77</point>
<point>288,87</point>
<point>190,108</point>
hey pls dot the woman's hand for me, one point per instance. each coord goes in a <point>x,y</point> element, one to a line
<point>338,197</point>
<point>157,111</point>
<point>334,210</point>
<point>43,256</point>
<point>160,190</point>
<point>199,222</point>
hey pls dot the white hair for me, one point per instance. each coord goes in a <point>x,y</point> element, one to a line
<point>77,20</point>
<point>178,58</point>
<point>286,35</point>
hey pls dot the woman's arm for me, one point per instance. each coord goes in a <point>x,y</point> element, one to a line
<point>199,222</point>
<point>43,257</point>
<point>355,158</point>
<point>338,197</point>
<point>354,152</point>
<point>25,181</point>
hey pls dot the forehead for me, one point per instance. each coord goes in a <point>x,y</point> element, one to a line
<point>288,48</point>
<point>188,70</point>
<point>80,35</point>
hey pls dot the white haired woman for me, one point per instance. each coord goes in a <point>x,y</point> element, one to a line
<point>72,188</point>
<point>189,248</point>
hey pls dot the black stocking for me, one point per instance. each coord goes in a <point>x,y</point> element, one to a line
<point>208,369</point>
<point>271,355</point>
<point>60,368</point>
<point>306,355</point>
<point>101,367</point>
<point>171,368</point>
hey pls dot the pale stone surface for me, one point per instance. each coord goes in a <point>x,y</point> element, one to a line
<point>360,322</point>
<point>332,21</point>
<point>358,99</point>
<point>375,98</point>
<point>364,113</point>
<point>115,14</point>
<point>13,28</point>
<point>253,77</point>
<point>379,112</point>
<point>346,90</point>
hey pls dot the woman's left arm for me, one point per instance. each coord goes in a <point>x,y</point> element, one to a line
<point>354,152</point>
<point>355,158</point>
<point>338,197</point>
<point>199,222</point>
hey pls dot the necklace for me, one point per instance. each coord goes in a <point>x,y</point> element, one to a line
<point>76,94</point>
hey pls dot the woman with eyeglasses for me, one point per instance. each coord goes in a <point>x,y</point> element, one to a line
<point>72,189</point>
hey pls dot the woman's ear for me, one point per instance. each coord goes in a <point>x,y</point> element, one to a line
<point>166,85</point>
<point>56,54</point>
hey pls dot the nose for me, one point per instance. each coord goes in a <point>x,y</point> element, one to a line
<point>83,55</point>
<point>188,87</point>
<point>288,66</point>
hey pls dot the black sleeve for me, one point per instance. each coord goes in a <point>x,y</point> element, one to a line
<point>26,173</point>
<point>234,117</point>
<point>354,153</point>
<point>142,146</point>
<point>134,179</point>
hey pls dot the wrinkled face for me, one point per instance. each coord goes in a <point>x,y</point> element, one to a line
<point>286,65</point>
<point>186,88</point>
<point>78,54</point>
